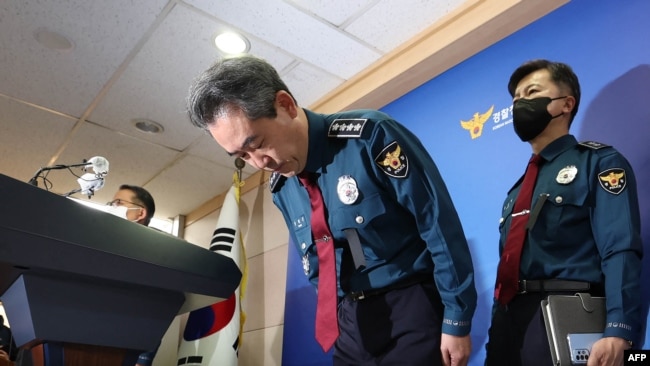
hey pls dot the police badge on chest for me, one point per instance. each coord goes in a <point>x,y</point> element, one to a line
<point>347,190</point>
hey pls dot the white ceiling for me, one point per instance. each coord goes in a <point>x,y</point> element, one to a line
<point>135,59</point>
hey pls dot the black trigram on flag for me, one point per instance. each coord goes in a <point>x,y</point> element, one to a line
<point>235,346</point>
<point>190,361</point>
<point>223,239</point>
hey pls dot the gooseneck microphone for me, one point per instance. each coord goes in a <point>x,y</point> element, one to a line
<point>99,165</point>
<point>89,183</point>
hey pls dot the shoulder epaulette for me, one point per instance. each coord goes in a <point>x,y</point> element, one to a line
<point>276,181</point>
<point>348,128</point>
<point>593,145</point>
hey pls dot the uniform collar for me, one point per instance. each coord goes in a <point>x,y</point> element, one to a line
<point>317,141</point>
<point>558,146</point>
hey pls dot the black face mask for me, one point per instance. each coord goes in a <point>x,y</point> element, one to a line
<point>530,116</point>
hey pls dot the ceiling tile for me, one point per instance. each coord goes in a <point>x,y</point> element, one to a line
<point>295,32</point>
<point>386,26</point>
<point>308,84</point>
<point>28,138</point>
<point>155,84</point>
<point>102,32</point>
<point>336,12</point>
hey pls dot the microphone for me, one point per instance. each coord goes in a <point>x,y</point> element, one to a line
<point>99,165</point>
<point>89,183</point>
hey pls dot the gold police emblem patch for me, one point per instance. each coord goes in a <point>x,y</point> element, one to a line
<point>393,161</point>
<point>475,125</point>
<point>613,180</point>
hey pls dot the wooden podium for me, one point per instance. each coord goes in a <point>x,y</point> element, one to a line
<point>87,288</point>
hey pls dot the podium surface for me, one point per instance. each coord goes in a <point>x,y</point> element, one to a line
<point>73,274</point>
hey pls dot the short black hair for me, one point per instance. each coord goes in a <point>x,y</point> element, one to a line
<point>144,198</point>
<point>561,74</point>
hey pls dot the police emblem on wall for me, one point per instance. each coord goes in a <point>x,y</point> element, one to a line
<point>613,180</point>
<point>475,125</point>
<point>393,161</point>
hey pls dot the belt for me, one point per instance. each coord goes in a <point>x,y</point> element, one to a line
<point>552,285</point>
<point>364,294</point>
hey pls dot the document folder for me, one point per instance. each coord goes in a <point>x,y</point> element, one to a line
<point>569,318</point>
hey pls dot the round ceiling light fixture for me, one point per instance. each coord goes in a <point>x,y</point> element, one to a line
<point>147,126</point>
<point>53,40</point>
<point>232,43</point>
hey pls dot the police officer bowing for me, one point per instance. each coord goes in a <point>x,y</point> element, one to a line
<point>400,267</point>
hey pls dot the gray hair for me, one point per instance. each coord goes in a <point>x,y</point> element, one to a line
<point>245,83</point>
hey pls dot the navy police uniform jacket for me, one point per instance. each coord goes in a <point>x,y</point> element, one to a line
<point>587,227</point>
<point>378,180</point>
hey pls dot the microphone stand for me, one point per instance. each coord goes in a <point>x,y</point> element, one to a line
<point>72,192</point>
<point>34,180</point>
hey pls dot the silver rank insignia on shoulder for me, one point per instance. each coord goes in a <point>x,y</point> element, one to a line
<point>393,161</point>
<point>347,189</point>
<point>593,145</point>
<point>347,128</point>
<point>613,180</point>
<point>567,174</point>
<point>305,264</point>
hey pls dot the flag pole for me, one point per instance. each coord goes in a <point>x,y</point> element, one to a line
<point>239,164</point>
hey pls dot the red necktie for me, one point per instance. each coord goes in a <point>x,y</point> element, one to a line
<point>327,329</point>
<point>508,271</point>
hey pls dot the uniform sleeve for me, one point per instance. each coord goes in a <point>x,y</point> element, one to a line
<point>420,189</point>
<point>616,227</point>
<point>146,359</point>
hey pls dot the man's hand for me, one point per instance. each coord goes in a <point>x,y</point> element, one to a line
<point>608,351</point>
<point>455,350</point>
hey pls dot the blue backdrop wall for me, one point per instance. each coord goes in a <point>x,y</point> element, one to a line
<point>607,44</point>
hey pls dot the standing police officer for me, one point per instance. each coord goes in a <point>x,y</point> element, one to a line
<point>405,277</point>
<point>583,227</point>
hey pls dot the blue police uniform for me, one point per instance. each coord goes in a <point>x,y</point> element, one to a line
<point>585,227</point>
<point>382,189</point>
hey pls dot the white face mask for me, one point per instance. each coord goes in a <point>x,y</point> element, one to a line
<point>120,211</point>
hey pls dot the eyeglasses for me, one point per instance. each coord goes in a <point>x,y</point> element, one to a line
<point>120,202</point>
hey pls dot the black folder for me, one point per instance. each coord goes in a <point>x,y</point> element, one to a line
<point>573,323</point>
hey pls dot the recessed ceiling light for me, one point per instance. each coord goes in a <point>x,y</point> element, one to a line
<point>53,40</point>
<point>232,43</point>
<point>147,126</point>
